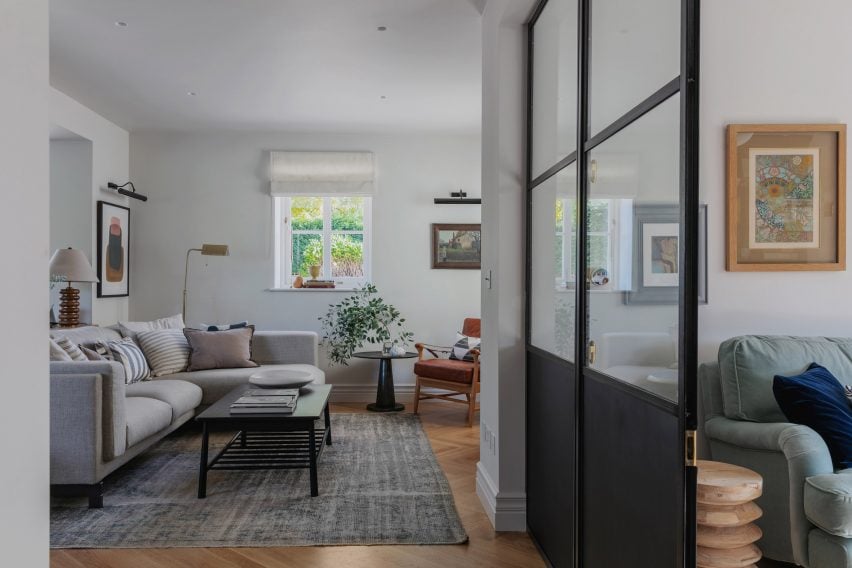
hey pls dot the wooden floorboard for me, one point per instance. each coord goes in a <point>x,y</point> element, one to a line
<point>457,449</point>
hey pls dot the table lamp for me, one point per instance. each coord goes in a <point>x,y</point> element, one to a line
<point>73,266</point>
<point>205,250</point>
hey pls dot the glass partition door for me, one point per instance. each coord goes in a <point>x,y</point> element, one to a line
<point>612,286</point>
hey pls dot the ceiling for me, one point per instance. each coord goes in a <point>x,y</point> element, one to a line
<point>300,65</point>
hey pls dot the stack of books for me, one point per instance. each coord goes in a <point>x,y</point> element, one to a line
<point>318,284</point>
<point>266,401</point>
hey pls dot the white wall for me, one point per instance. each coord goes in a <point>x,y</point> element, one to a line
<point>752,77</point>
<point>24,188</point>
<point>214,188</point>
<point>71,212</point>
<point>110,162</point>
<point>500,481</point>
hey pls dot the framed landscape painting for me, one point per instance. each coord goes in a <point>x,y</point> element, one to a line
<point>113,250</point>
<point>786,197</point>
<point>456,245</point>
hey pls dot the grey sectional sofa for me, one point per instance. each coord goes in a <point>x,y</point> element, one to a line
<point>98,423</point>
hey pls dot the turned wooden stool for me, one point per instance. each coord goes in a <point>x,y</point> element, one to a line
<point>725,515</point>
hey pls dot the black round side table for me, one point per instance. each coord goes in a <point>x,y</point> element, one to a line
<point>385,399</point>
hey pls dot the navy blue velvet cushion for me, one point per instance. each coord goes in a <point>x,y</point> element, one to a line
<point>815,398</point>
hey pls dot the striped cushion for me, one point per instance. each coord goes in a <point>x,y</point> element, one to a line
<point>126,352</point>
<point>167,350</point>
<point>69,347</point>
<point>57,353</point>
<point>464,343</point>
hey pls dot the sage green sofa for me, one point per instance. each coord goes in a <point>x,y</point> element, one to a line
<point>807,505</point>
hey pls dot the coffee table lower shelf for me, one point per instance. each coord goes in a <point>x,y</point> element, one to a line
<point>268,450</point>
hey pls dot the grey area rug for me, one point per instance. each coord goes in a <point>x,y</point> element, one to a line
<point>379,483</point>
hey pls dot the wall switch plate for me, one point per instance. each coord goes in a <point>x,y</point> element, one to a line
<point>489,440</point>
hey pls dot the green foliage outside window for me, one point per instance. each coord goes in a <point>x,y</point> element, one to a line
<point>347,256</point>
<point>347,250</point>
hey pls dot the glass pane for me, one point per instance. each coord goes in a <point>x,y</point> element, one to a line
<point>306,213</point>
<point>554,104</point>
<point>635,50</point>
<point>347,213</point>
<point>552,290</point>
<point>599,252</point>
<point>307,252</point>
<point>347,255</point>
<point>598,213</point>
<point>633,320</point>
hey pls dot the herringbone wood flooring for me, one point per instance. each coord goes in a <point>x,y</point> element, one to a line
<point>457,449</point>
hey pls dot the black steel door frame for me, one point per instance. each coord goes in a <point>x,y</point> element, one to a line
<point>687,85</point>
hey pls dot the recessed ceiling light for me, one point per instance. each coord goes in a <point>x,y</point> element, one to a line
<point>383,97</point>
<point>120,24</point>
<point>382,28</point>
<point>191,93</point>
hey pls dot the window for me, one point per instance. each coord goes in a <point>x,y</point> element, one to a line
<point>330,232</point>
<point>604,231</point>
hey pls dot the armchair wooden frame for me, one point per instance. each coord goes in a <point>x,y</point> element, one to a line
<point>469,391</point>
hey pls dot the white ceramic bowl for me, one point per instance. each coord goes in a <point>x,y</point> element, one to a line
<point>281,378</point>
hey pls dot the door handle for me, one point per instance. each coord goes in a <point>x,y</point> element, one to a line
<point>592,352</point>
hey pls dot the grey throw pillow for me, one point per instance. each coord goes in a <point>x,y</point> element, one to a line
<point>230,349</point>
<point>91,354</point>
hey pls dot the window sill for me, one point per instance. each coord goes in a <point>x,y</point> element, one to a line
<point>312,290</point>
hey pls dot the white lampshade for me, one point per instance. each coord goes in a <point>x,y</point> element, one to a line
<point>73,265</point>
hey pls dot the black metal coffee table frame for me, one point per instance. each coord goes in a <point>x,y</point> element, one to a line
<point>266,441</point>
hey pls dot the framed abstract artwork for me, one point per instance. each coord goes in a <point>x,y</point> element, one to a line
<point>656,254</point>
<point>113,250</point>
<point>656,250</point>
<point>456,245</point>
<point>786,197</point>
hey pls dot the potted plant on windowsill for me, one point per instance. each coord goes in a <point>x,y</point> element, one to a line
<point>361,319</point>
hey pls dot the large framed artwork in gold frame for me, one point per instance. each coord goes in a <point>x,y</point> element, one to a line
<point>786,197</point>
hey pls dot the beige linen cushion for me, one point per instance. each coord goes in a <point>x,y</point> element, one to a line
<point>57,353</point>
<point>131,328</point>
<point>230,349</point>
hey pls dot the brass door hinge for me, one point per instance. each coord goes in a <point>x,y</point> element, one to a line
<point>691,440</point>
<point>592,353</point>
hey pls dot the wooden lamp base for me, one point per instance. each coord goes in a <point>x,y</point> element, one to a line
<point>69,307</point>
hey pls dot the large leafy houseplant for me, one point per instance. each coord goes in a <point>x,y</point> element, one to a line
<point>362,318</point>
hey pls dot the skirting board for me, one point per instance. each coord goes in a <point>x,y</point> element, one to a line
<point>506,511</point>
<point>367,393</point>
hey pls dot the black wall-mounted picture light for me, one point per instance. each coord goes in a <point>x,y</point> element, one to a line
<point>458,197</point>
<point>128,192</point>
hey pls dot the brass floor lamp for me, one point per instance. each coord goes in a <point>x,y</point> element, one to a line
<point>205,250</point>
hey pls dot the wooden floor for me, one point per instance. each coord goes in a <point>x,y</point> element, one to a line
<point>457,449</point>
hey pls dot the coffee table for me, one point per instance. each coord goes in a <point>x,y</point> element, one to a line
<point>385,398</point>
<point>267,441</point>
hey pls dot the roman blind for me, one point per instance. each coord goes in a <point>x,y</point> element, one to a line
<point>322,173</point>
